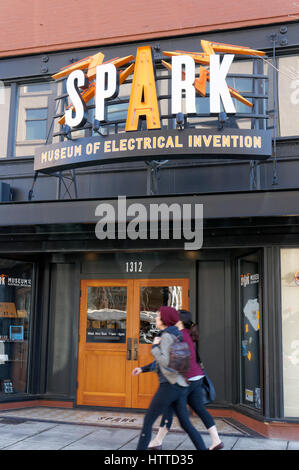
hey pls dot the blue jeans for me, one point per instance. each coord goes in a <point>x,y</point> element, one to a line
<point>174,396</point>
<point>194,400</point>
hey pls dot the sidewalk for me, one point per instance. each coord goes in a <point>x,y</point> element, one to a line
<point>36,429</point>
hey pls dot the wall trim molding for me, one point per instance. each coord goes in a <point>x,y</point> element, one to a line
<point>269,429</point>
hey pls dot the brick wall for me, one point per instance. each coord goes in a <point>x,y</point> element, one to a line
<point>35,26</point>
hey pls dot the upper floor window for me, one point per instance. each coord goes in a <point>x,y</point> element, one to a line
<point>36,123</point>
<point>34,113</point>
<point>288,96</point>
<point>4,118</point>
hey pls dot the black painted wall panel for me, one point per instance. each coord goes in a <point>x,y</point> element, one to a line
<point>179,178</point>
<point>60,331</point>
<point>211,317</point>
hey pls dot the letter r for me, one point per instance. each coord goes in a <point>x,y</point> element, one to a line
<point>178,85</point>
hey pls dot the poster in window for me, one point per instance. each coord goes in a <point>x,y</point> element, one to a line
<point>250,321</point>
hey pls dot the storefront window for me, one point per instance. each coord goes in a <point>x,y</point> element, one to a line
<point>106,314</point>
<point>15,314</point>
<point>290,329</point>
<point>250,325</point>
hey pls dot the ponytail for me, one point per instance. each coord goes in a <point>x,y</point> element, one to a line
<point>186,318</point>
<point>194,333</point>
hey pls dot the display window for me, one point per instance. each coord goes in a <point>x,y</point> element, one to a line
<point>290,329</point>
<point>15,315</point>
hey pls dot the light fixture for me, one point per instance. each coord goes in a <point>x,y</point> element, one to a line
<point>97,128</point>
<point>67,132</point>
<point>180,121</point>
<point>222,117</point>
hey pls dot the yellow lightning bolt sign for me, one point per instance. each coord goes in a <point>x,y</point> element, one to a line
<point>143,99</point>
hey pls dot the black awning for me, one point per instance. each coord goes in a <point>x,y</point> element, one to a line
<point>278,203</point>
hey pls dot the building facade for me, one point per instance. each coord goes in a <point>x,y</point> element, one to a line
<point>77,312</point>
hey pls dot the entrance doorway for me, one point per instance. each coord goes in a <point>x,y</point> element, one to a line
<point>117,328</point>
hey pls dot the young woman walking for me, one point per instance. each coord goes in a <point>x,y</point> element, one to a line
<point>194,394</point>
<point>173,386</point>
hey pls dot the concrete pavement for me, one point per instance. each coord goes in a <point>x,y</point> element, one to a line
<point>18,434</point>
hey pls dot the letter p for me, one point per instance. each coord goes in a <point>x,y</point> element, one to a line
<point>107,88</point>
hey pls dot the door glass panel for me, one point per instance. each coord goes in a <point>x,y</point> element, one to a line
<point>250,322</point>
<point>151,299</point>
<point>106,314</point>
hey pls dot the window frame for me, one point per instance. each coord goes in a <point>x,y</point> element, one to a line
<point>12,141</point>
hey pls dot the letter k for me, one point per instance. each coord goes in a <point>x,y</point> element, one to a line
<point>218,86</point>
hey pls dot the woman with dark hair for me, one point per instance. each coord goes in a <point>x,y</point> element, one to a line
<point>172,390</point>
<point>194,394</point>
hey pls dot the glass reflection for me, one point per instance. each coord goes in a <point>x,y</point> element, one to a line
<point>151,299</point>
<point>106,314</point>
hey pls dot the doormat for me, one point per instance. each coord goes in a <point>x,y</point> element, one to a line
<point>12,421</point>
<point>114,419</point>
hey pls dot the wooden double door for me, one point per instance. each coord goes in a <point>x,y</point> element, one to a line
<point>117,327</point>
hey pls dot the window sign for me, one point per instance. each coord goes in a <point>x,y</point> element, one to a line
<point>250,326</point>
<point>106,314</point>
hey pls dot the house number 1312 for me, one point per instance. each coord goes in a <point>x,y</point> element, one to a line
<point>134,266</point>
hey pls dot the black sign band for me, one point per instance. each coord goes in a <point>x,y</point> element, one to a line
<point>152,145</point>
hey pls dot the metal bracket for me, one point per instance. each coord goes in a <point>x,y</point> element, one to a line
<point>135,349</point>
<point>65,179</point>
<point>255,175</point>
<point>275,38</point>
<point>153,176</point>
<point>129,349</point>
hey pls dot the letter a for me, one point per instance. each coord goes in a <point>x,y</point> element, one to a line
<point>143,100</point>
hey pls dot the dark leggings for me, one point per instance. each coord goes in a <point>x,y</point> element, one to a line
<point>174,396</point>
<point>194,399</point>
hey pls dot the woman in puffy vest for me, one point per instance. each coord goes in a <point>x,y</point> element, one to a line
<point>173,386</point>
<point>194,394</point>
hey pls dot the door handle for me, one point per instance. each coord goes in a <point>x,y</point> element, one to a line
<point>129,349</point>
<point>135,350</point>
